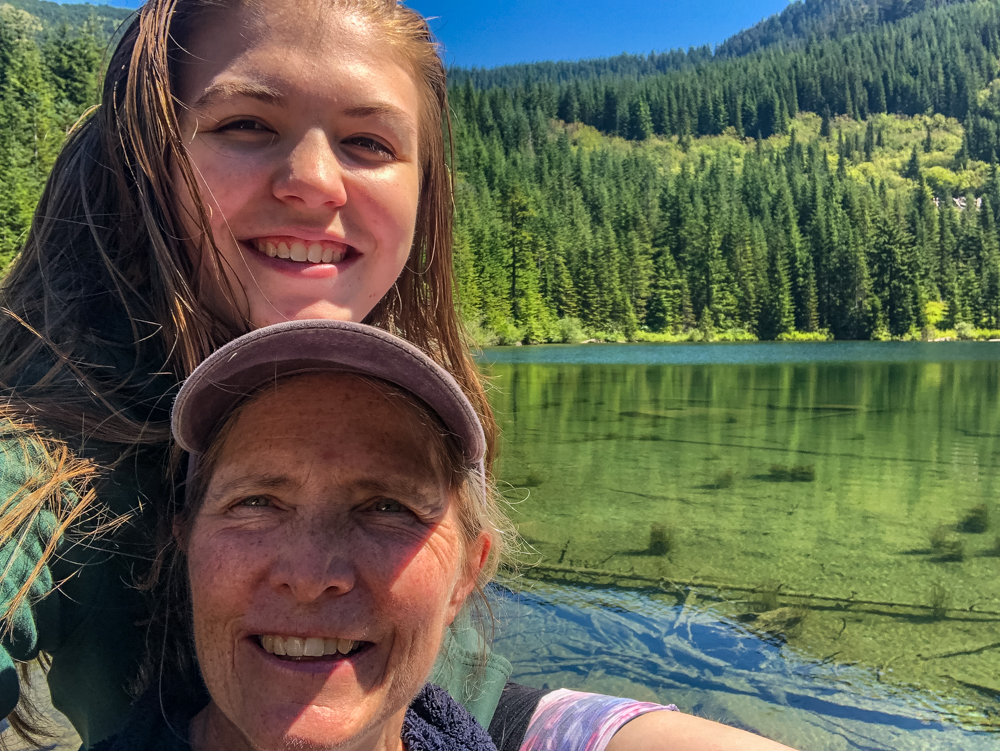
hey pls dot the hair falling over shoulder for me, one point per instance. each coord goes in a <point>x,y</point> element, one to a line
<point>55,502</point>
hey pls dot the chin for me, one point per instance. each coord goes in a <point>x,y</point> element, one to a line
<point>313,728</point>
<point>266,315</point>
<point>310,735</point>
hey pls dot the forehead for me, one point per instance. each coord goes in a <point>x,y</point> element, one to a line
<point>339,420</point>
<point>288,42</point>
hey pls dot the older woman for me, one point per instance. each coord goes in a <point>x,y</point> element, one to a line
<point>336,521</point>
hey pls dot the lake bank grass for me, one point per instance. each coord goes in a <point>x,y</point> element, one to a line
<point>571,331</point>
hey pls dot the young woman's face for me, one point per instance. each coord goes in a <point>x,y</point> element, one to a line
<point>326,526</point>
<point>302,127</point>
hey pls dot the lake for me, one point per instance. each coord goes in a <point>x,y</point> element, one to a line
<point>801,539</point>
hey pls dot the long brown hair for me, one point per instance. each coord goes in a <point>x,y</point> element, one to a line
<point>105,267</point>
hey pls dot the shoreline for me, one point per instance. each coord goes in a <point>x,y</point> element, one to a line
<point>939,340</point>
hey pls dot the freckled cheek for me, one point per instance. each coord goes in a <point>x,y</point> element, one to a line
<point>425,584</point>
<point>222,588</point>
<point>379,563</point>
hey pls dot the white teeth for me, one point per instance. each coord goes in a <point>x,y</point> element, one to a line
<point>301,253</point>
<point>313,647</point>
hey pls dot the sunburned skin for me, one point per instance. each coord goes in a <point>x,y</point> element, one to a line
<point>325,564</point>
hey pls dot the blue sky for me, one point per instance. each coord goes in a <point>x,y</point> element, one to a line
<point>489,33</point>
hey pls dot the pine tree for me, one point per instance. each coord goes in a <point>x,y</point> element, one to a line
<point>894,275</point>
<point>640,120</point>
<point>912,169</point>
<point>776,310</point>
<point>665,309</point>
<point>565,297</point>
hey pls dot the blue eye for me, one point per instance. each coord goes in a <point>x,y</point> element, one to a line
<point>255,501</point>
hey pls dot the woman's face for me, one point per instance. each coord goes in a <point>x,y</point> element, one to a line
<point>326,527</point>
<point>302,127</point>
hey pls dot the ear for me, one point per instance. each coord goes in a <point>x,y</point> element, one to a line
<point>476,555</point>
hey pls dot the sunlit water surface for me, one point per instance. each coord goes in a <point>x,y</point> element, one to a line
<point>801,539</point>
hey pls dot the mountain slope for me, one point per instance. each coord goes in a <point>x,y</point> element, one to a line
<point>823,19</point>
<point>797,24</point>
<point>939,60</point>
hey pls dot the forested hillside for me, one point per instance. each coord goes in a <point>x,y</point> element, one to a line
<point>798,23</point>
<point>831,171</point>
<point>793,189</point>
<point>49,75</point>
<point>823,19</point>
<point>104,19</point>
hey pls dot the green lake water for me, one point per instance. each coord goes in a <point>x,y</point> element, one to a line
<point>803,538</point>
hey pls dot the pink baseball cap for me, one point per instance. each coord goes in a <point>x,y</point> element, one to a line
<point>238,369</point>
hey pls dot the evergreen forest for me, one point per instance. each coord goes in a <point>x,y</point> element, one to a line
<point>828,173</point>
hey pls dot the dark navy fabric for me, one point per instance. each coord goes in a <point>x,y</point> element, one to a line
<point>434,722</point>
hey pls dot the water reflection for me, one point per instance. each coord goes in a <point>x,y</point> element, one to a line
<point>844,508</point>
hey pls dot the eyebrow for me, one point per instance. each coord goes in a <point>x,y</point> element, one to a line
<point>396,485</point>
<point>230,90</point>
<point>269,95</point>
<point>388,111</point>
<point>252,482</point>
<point>402,488</point>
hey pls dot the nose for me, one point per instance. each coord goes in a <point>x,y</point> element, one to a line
<point>314,564</point>
<point>312,175</point>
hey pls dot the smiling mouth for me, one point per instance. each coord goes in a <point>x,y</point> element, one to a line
<point>298,251</point>
<point>313,648</point>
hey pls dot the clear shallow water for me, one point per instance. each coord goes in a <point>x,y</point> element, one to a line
<point>632,644</point>
<point>763,353</point>
<point>809,503</point>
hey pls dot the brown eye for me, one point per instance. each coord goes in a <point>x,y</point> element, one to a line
<point>389,506</point>
<point>244,126</point>
<point>373,145</point>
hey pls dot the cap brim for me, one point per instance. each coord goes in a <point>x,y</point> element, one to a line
<point>242,366</point>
